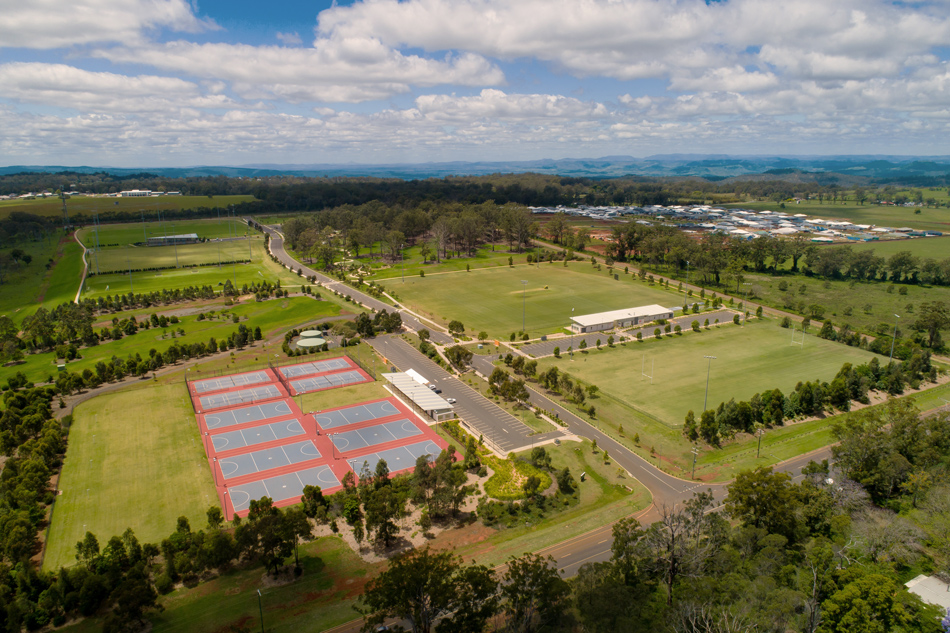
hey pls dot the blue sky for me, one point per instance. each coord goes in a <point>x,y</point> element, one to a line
<point>170,83</point>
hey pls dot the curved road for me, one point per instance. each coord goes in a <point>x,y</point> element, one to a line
<point>593,546</point>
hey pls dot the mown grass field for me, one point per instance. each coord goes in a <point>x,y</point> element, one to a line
<point>749,359</point>
<point>135,232</point>
<point>491,299</point>
<point>893,216</point>
<point>86,205</point>
<point>260,268</point>
<point>117,259</point>
<point>135,460</point>
<point>273,317</point>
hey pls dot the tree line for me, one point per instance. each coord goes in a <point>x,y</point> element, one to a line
<point>810,398</point>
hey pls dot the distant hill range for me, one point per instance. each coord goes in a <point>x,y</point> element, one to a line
<point>824,169</point>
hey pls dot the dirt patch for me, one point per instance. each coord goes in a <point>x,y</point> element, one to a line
<point>410,535</point>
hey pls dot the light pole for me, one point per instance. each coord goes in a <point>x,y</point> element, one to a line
<point>758,448</point>
<point>402,261</point>
<point>572,333</point>
<point>524,289</point>
<point>260,607</point>
<point>686,287</point>
<point>708,366</point>
<point>894,338</point>
<point>695,454</point>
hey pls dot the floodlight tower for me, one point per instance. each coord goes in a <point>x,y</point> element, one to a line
<point>708,366</point>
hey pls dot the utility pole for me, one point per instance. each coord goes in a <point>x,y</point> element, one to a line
<point>894,338</point>
<point>524,287</point>
<point>708,366</point>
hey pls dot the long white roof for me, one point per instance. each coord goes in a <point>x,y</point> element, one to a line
<point>427,399</point>
<point>619,315</point>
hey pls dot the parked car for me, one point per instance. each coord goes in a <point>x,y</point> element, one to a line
<point>450,400</point>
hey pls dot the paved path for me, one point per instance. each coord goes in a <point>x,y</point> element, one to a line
<point>499,427</point>
<point>546,348</point>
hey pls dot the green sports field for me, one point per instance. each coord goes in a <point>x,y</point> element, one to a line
<point>124,469</point>
<point>749,359</point>
<point>184,255</point>
<point>53,207</point>
<point>490,299</point>
<point>260,269</point>
<point>135,232</point>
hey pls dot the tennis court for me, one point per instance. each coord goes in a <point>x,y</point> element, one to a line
<point>243,396</point>
<point>374,435</point>
<point>282,487</point>
<point>397,459</point>
<point>326,381</point>
<point>246,415</point>
<point>229,382</point>
<point>316,367</point>
<point>355,415</point>
<point>268,459</point>
<point>256,435</point>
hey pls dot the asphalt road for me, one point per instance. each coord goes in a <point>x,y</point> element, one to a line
<point>571,554</point>
<point>546,348</point>
<point>277,249</point>
<point>499,427</point>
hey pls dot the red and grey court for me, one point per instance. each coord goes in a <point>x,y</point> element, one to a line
<point>259,443</point>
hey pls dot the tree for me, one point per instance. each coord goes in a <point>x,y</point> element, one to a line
<point>423,588</point>
<point>681,542</point>
<point>764,499</point>
<point>534,593</point>
<point>870,602</point>
<point>931,318</point>
<point>215,518</point>
<point>456,328</point>
<point>459,356</point>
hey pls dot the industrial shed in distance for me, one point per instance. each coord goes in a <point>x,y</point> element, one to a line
<point>619,318</point>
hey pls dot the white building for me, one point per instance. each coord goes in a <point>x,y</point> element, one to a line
<point>619,318</point>
<point>135,193</point>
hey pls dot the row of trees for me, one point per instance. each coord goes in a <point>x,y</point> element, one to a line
<point>772,407</point>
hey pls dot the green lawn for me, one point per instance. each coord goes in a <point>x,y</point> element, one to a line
<point>85,205</point>
<point>134,232</point>
<point>120,259</point>
<point>936,247</point>
<point>29,286</point>
<point>260,269</point>
<point>487,255</point>
<point>135,460</point>
<point>491,299</point>
<point>749,359</point>
<point>927,219</point>
<point>871,304</point>
<point>273,317</point>
<point>607,496</point>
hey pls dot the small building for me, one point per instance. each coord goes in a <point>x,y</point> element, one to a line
<point>619,318</point>
<point>931,590</point>
<point>171,240</point>
<point>135,193</point>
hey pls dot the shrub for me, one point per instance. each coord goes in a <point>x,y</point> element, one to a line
<point>695,325</point>
<point>557,352</point>
<point>735,319</point>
